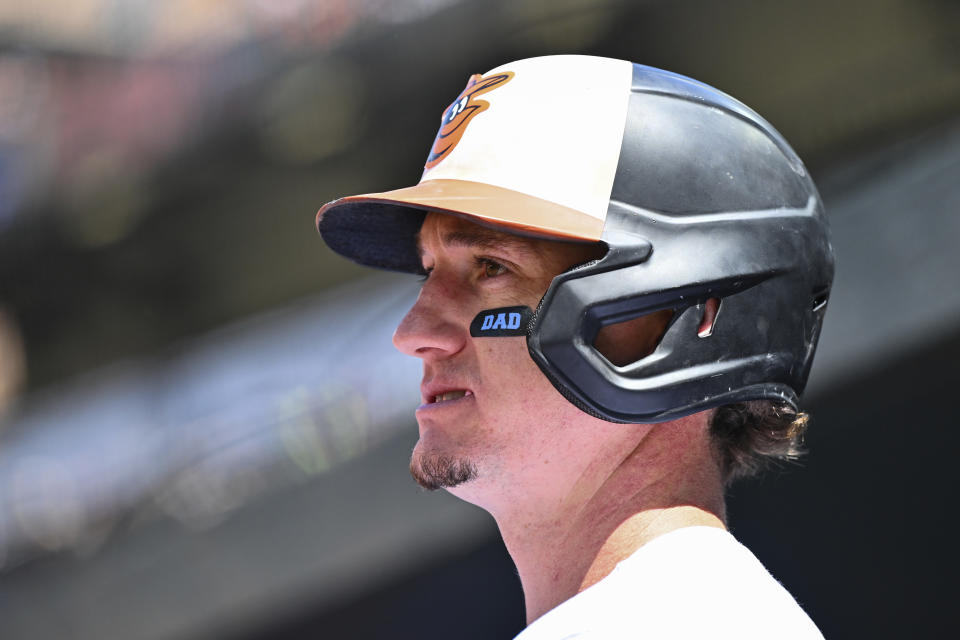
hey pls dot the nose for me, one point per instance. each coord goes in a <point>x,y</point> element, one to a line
<point>432,329</point>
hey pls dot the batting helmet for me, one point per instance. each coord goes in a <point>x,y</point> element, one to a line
<point>695,196</point>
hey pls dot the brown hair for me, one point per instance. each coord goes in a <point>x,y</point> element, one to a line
<point>749,436</point>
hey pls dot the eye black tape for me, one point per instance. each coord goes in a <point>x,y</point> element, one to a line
<point>501,322</point>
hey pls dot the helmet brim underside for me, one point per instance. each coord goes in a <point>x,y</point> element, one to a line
<point>379,229</point>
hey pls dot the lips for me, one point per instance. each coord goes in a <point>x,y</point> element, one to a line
<point>451,395</point>
<point>439,393</point>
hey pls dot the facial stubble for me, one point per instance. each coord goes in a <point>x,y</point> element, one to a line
<point>434,472</point>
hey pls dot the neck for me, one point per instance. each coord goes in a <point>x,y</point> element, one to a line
<point>562,551</point>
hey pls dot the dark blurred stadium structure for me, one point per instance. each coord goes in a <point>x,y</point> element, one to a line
<point>204,428</point>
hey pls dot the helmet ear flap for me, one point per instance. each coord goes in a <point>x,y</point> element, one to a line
<point>681,278</point>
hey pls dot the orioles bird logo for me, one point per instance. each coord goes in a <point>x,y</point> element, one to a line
<point>455,118</point>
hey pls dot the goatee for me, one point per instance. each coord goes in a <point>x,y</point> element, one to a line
<point>438,472</point>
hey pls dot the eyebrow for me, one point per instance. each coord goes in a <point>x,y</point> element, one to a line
<point>481,238</point>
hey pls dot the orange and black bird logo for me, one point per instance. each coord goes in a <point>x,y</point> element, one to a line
<point>458,115</point>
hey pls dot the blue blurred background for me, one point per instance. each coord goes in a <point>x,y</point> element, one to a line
<point>204,430</point>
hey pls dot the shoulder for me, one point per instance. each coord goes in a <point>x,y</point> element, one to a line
<point>692,582</point>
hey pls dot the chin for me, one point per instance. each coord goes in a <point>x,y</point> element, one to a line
<point>437,470</point>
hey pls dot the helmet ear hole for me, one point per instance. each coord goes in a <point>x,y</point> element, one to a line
<point>625,342</point>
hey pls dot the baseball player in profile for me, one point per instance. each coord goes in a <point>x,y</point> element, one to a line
<point>625,274</point>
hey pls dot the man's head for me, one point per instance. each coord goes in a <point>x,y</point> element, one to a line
<point>681,253</point>
<point>488,413</point>
<point>478,394</point>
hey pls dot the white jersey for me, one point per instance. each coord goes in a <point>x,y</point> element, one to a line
<point>695,582</point>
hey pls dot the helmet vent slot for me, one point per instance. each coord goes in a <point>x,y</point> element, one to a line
<point>710,310</point>
<point>625,342</point>
<point>820,299</point>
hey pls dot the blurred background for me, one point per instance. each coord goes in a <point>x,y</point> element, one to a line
<point>204,430</point>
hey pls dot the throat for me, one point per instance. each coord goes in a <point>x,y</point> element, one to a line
<point>574,560</point>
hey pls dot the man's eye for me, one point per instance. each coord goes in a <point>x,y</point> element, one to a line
<point>491,268</point>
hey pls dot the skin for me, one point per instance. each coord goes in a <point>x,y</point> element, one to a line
<point>573,495</point>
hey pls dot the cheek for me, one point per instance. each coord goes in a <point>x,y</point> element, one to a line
<point>521,409</point>
<point>513,383</point>
<point>506,368</point>
<point>498,356</point>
